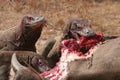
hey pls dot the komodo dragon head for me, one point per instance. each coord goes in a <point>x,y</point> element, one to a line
<point>33,21</point>
<point>78,27</point>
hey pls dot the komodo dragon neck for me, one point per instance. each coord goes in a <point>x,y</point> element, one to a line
<point>26,38</point>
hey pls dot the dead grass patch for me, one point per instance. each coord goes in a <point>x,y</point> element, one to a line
<point>104,15</point>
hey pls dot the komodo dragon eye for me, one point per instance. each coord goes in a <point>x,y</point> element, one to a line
<point>30,18</point>
<point>77,26</point>
<point>41,62</point>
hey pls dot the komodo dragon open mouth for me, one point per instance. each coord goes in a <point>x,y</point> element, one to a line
<point>72,50</point>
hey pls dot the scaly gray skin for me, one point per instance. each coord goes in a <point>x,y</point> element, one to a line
<point>22,72</point>
<point>24,36</point>
<point>31,58</point>
<point>74,29</point>
<point>105,64</point>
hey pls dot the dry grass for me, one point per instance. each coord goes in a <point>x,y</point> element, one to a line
<point>104,16</point>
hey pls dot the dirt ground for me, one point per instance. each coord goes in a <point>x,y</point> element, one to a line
<point>104,15</point>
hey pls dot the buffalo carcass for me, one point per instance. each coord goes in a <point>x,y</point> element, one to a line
<point>105,64</point>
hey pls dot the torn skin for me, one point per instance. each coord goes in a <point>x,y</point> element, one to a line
<point>72,50</point>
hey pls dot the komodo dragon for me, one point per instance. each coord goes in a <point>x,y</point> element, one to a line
<point>21,72</point>
<point>74,29</point>
<point>24,36</point>
<point>26,58</point>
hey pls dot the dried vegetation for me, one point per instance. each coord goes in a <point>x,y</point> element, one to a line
<point>104,15</point>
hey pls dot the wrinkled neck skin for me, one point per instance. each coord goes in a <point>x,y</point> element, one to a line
<point>27,38</point>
